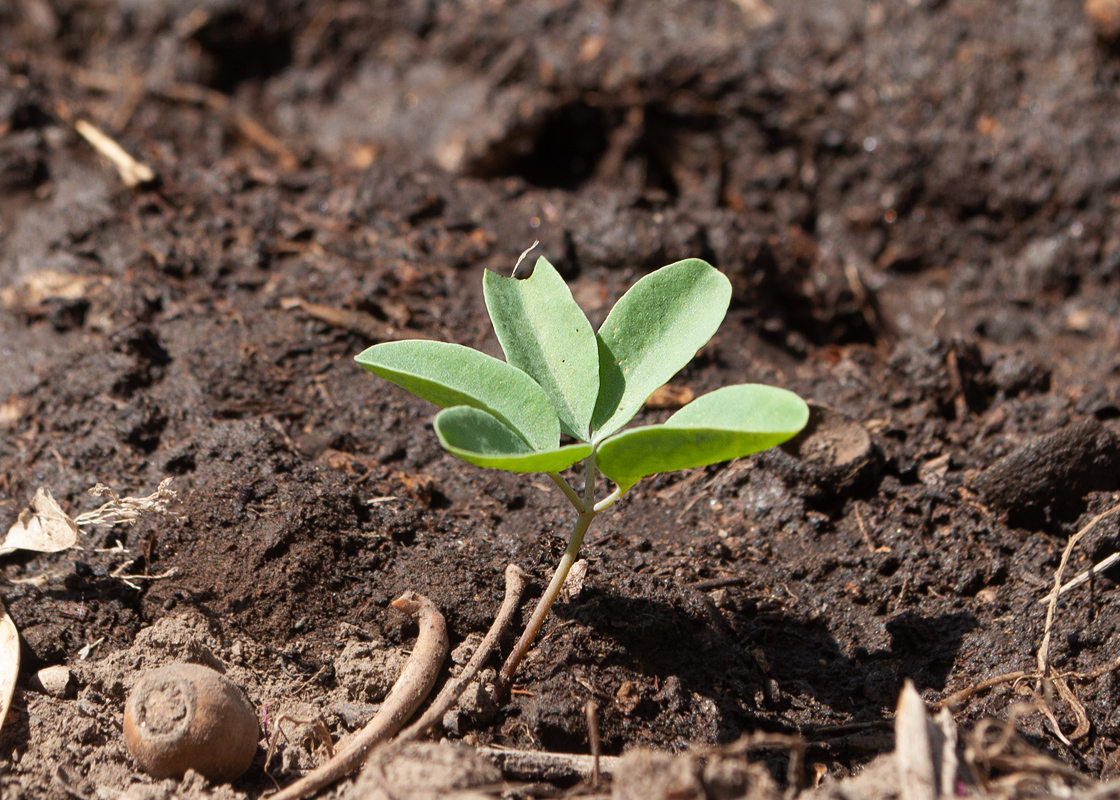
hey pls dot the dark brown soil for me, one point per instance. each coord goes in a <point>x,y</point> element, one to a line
<point>918,204</point>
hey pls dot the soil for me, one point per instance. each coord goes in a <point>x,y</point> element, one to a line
<point>917,203</point>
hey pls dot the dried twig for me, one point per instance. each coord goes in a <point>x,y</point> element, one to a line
<point>1007,752</point>
<point>1044,649</point>
<point>955,699</point>
<point>410,690</point>
<point>1085,577</point>
<point>179,93</point>
<point>1045,671</point>
<point>354,321</point>
<point>530,765</point>
<point>132,172</point>
<point>516,581</point>
<point>592,709</point>
<point>128,579</point>
<point>1075,704</point>
<point>1093,674</point>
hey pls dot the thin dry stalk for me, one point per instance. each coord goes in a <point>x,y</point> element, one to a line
<point>126,509</point>
<point>1086,576</point>
<point>1051,609</point>
<point>133,173</point>
<point>410,690</point>
<point>516,581</point>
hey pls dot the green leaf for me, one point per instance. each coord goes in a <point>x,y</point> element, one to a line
<point>544,333</point>
<point>654,330</point>
<point>483,440</point>
<point>453,375</point>
<point>728,423</point>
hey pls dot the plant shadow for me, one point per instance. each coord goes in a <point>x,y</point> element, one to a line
<point>762,670</point>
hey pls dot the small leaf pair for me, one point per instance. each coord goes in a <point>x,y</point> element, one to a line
<point>562,376</point>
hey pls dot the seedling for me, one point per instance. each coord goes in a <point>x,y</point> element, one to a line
<point>561,377</point>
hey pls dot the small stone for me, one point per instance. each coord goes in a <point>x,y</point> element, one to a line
<point>721,598</point>
<point>54,681</point>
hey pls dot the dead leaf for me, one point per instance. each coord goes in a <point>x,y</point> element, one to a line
<point>9,661</point>
<point>418,486</point>
<point>44,527</point>
<point>913,752</point>
<point>48,284</point>
<point>670,397</point>
<point>12,412</point>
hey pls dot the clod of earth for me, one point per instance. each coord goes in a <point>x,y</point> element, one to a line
<point>423,770</point>
<point>1048,476</point>
<point>833,456</point>
<point>186,716</point>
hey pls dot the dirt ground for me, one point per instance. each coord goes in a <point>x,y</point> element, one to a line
<point>917,203</point>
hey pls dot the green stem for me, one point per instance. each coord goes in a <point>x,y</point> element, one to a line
<point>609,500</point>
<point>589,483</point>
<point>505,677</point>
<point>567,489</point>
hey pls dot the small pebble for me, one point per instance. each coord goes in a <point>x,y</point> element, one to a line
<point>54,681</point>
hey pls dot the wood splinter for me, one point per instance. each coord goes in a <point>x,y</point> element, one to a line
<point>410,690</point>
<point>134,173</point>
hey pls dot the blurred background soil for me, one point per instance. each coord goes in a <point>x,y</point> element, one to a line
<point>917,203</point>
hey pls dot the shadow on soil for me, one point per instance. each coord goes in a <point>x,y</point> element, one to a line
<point>755,666</point>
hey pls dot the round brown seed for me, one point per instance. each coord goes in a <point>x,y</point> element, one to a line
<point>186,716</point>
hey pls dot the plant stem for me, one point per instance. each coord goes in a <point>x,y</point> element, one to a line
<point>505,677</point>
<point>588,510</point>
<point>568,491</point>
<point>589,484</point>
<point>608,501</point>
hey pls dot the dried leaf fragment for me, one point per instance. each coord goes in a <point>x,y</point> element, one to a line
<point>43,285</point>
<point>913,748</point>
<point>669,396</point>
<point>44,527</point>
<point>9,661</point>
<point>117,510</point>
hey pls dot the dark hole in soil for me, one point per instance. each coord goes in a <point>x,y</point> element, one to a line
<point>150,358</point>
<point>243,47</point>
<point>1107,413</point>
<point>665,135</point>
<point>566,149</point>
